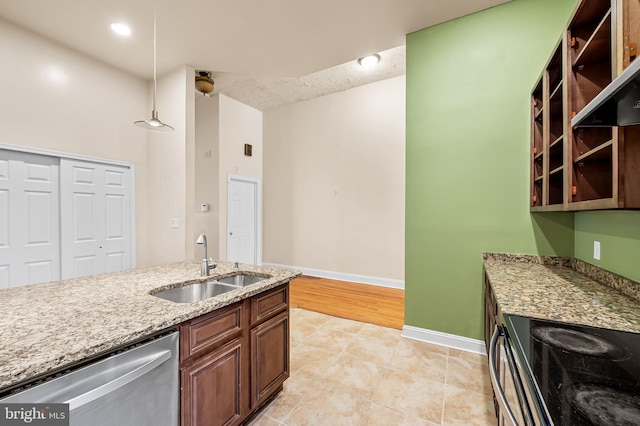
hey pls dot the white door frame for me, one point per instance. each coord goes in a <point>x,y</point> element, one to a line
<point>258,203</point>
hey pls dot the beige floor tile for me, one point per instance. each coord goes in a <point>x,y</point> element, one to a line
<point>335,409</point>
<point>302,316</point>
<point>306,385</point>
<point>348,373</point>
<point>463,407</point>
<point>412,393</point>
<point>263,420</point>
<point>329,340</point>
<point>342,324</point>
<point>469,356</point>
<point>308,359</point>
<point>468,375</point>
<point>417,356</point>
<point>301,332</point>
<point>372,330</point>
<point>376,349</point>
<point>282,405</point>
<point>354,375</point>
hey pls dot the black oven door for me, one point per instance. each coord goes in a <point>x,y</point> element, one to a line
<point>507,387</point>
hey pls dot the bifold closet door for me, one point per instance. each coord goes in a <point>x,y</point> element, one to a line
<point>95,218</point>
<point>29,219</point>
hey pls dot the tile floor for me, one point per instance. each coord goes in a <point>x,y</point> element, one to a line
<point>346,372</point>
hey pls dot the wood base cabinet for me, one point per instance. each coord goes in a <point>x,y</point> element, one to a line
<point>233,360</point>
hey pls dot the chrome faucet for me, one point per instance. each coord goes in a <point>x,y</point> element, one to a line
<point>206,264</point>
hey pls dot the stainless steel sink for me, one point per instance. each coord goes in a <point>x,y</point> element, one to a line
<point>195,292</point>
<point>240,280</point>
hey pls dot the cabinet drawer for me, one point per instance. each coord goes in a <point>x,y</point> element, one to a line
<point>203,334</point>
<point>268,304</point>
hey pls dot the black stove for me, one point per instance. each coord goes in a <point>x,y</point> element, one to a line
<point>585,375</point>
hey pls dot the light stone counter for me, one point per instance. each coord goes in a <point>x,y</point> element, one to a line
<point>563,289</point>
<point>47,326</point>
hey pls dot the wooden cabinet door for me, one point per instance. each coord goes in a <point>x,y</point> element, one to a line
<point>269,357</point>
<point>212,387</point>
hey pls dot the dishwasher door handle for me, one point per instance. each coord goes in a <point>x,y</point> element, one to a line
<point>493,373</point>
<point>119,382</point>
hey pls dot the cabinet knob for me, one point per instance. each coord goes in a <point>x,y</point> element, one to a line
<point>574,190</point>
<point>633,51</point>
<point>535,150</point>
<point>573,42</point>
<point>534,198</point>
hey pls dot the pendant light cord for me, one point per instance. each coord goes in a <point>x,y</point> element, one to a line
<point>155,48</point>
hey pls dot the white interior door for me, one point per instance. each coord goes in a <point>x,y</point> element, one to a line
<point>29,219</point>
<point>96,212</point>
<point>243,220</point>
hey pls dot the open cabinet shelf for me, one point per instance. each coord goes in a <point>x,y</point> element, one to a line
<point>585,168</point>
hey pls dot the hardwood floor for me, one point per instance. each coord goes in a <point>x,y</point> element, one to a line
<point>367,303</point>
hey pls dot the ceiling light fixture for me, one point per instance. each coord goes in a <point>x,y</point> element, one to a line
<point>154,124</point>
<point>121,29</point>
<point>370,61</point>
<point>204,82</point>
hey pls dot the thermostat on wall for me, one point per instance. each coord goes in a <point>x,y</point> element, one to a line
<point>204,207</point>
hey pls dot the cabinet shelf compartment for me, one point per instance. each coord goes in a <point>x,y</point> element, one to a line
<point>536,196</point>
<point>596,47</point>
<point>556,120</point>
<point>589,81</point>
<point>593,178</point>
<point>537,138</point>
<point>602,152</point>
<point>554,69</point>
<point>587,139</point>
<point>556,182</point>
<point>536,101</point>
<point>538,167</point>
<point>556,156</point>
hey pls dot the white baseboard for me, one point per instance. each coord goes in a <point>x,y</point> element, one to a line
<point>341,276</point>
<point>444,339</point>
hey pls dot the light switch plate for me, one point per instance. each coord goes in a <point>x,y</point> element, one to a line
<point>596,250</point>
<point>175,223</point>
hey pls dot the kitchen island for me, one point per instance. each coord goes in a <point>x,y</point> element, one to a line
<point>46,327</point>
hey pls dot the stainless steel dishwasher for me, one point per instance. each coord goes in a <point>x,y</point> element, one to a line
<point>139,386</point>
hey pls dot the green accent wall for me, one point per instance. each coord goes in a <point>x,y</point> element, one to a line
<point>468,90</point>
<point>619,236</point>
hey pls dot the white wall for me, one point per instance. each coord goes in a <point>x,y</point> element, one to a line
<point>239,124</point>
<point>171,168</point>
<point>55,99</point>
<point>223,126</point>
<point>334,173</point>
<point>207,173</point>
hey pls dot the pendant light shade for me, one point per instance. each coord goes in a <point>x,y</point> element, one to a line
<point>154,124</point>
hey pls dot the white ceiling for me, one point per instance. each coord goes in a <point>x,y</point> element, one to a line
<point>262,52</point>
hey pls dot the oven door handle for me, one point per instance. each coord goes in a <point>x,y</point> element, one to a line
<point>493,373</point>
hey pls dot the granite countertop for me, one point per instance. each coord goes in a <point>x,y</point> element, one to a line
<point>48,326</point>
<point>563,289</point>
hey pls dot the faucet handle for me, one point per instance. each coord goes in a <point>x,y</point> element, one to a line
<point>236,264</point>
<point>212,264</point>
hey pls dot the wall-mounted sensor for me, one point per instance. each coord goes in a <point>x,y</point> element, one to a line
<point>204,207</point>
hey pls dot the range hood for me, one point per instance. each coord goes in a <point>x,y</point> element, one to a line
<point>617,105</point>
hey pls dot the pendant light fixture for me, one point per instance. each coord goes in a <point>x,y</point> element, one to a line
<point>154,124</point>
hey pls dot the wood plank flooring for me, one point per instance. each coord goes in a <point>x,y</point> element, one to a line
<point>361,302</point>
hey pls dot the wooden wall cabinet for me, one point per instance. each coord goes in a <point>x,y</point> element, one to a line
<point>585,168</point>
<point>233,360</point>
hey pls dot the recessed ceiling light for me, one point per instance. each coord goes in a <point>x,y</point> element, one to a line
<point>121,29</point>
<point>370,61</point>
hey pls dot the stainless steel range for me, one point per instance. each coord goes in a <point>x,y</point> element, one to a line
<point>566,374</point>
